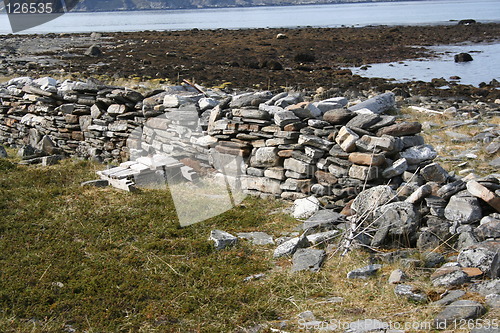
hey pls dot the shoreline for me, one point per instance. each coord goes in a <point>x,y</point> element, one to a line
<point>308,58</point>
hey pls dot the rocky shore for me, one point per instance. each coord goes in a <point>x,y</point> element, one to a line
<point>406,167</point>
<point>306,58</point>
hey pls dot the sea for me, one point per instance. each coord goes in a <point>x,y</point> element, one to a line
<point>425,12</point>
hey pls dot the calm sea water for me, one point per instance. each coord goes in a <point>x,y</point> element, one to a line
<point>335,15</point>
<point>484,68</point>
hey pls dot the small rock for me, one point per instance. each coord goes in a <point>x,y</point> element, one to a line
<point>378,104</point>
<point>283,118</point>
<point>493,148</point>
<point>3,152</point>
<point>397,168</point>
<point>308,259</point>
<point>322,237</point>
<point>418,154</point>
<point>493,300</point>
<point>305,208</point>
<point>364,272</point>
<point>449,276</point>
<point>281,36</point>
<point>486,288</point>
<point>433,259</point>
<point>397,222</point>
<point>372,198</point>
<point>346,139</point>
<point>222,239</point>
<point>488,230</point>
<point>422,192</point>
<point>495,266</point>
<point>401,129</point>
<point>459,310</point>
<point>463,57</point>
<point>449,297</point>
<point>463,208</point>
<point>324,219</point>
<point>483,193</point>
<point>94,51</point>
<point>363,121</point>
<point>307,315</point>
<point>257,237</point>
<point>434,173</point>
<point>407,291</point>
<point>448,190</point>
<point>367,159</point>
<point>479,255</point>
<point>289,247</point>
<point>339,116</point>
<point>363,172</point>
<point>397,276</point>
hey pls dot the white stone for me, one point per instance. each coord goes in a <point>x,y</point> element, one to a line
<point>305,208</point>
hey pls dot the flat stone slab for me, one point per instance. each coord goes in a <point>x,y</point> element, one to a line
<point>450,297</point>
<point>324,218</point>
<point>459,310</point>
<point>257,237</point>
<point>364,272</point>
<point>289,247</point>
<point>408,291</point>
<point>308,260</point>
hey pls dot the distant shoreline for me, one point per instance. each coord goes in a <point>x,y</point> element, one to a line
<point>335,2</point>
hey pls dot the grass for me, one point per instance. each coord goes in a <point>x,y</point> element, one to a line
<point>103,260</point>
<point>448,148</point>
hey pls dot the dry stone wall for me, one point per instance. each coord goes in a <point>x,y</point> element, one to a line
<point>290,148</point>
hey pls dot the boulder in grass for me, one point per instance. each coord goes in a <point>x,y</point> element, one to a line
<point>222,239</point>
<point>3,152</point>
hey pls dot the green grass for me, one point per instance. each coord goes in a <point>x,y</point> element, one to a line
<point>103,260</point>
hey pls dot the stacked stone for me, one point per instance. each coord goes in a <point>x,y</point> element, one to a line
<point>92,120</point>
<point>294,148</point>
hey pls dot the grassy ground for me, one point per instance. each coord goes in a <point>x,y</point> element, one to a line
<point>449,148</point>
<point>76,259</point>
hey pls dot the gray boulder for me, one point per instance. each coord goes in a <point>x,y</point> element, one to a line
<point>479,255</point>
<point>364,272</point>
<point>324,219</point>
<point>463,208</point>
<point>397,222</point>
<point>265,157</point>
<point>322,237</point>
<point>434,173</point>
<point>378,104</point>
<point>372,198</point>
<point>408,291</point>
<point>289,247</point>
<point>450,297</point>
<point>308,259</point>
<point>3,152</point>
<point>448,190</point>
<point>418,154</point>
<point>222,239</point>
<point>257,237</point>
<point>449,276</point>
<point>486,288</point>
<point>459,310</point>
<point>489,229</point>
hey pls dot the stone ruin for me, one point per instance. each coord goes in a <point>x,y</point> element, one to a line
<point>353,156</point>
<point>351,167</point>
